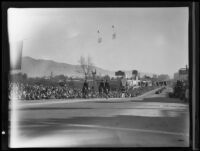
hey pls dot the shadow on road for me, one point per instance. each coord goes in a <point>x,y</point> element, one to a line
<point>164,100</point>
<point>41,126</point>
<point>92,108</point>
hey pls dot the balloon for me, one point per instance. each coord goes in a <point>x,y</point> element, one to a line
<point>99,38</point>
<point>114,34</point>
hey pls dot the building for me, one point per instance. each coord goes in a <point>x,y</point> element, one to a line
<point>176,76</point>
<point>119,74</point>
<point>182,74</point>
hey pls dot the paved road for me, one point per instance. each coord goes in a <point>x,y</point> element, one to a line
<point>146,121</point>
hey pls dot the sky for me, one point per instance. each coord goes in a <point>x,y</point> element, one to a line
<point>153,40</point>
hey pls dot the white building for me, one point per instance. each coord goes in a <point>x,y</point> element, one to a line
<point>182,74</point>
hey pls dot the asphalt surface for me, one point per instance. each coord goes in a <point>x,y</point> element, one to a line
<point>151,120</point>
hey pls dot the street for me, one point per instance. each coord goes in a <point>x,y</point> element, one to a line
<point>151,120</point>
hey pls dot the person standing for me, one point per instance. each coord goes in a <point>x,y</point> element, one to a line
<point>85,89</point>
<point>123,84</point>
<point>107,88</point>
<point>93,92</point>
<point>101,88</point>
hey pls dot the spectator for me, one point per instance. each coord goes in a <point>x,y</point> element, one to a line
<point>101,88</point>
<point>27,91</point>
<point>106,88</point>
<point>85,89</point>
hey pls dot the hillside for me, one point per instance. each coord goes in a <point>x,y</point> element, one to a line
<point>39,68</point>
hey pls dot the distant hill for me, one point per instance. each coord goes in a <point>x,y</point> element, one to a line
<point>40,68</point>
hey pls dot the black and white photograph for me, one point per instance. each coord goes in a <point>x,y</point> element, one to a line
<point>99,77</point>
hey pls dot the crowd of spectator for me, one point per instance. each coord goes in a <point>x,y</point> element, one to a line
<point>27,91</point>
<point>39,92</point>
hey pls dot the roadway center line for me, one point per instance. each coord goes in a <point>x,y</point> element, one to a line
<point>129,129</point>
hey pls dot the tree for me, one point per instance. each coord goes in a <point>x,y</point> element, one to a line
<point>86,66</point>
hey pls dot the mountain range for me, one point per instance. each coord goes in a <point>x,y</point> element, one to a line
<point>40,68</point>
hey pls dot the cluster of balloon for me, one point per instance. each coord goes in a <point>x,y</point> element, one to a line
<point>99,38</point>
<point>113,35</point>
